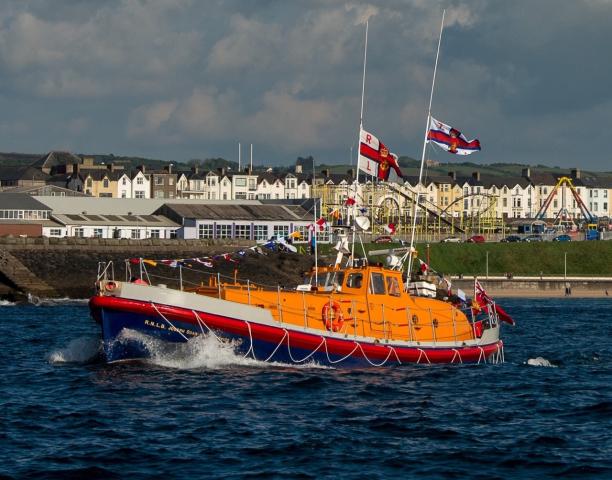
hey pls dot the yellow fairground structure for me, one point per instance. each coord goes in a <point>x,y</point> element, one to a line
<point>390,203</point>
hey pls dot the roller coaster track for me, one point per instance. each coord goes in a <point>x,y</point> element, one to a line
<point>429,207</point>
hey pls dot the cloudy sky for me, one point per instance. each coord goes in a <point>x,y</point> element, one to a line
<point>175,79</point>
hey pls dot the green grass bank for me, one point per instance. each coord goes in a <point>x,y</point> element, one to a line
<point>549,258</point>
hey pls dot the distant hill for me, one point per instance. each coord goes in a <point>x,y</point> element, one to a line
<point>409,166</point>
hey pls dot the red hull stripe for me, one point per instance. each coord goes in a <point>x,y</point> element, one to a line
<point>297,339</point>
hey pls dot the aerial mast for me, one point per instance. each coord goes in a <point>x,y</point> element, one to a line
<point>416,200</point>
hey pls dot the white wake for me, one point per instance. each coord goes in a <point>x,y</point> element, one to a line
<point>79,350</point>
<point>203,352</point>
<point>540,362</point>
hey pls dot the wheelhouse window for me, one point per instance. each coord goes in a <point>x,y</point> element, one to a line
<point>377,283</point>
<point>354,280</point>
<point>393,287</point>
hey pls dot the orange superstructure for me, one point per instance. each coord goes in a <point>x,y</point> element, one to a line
<point>368,301</point>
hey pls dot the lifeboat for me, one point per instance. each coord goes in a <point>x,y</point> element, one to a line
<point>356,316</point>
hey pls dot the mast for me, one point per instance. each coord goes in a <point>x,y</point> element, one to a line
<point>416,200</point>
<point>239,168</point>
<point>315,226</point>
<point>365,56</point>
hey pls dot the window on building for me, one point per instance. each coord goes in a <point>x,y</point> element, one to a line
<point>205,230</point>
<point>97,233</point>
<point>105,183</point>
<point>139,194</point>
<point>89,182</point>
<point>79,232</point>
<point>135,233</point>
<point>140,181</point>
<point>159,194</point>
<point>281,231</point>
<point>158,180</point>
<point>55,232</point>
<point>243,231</point>
<point>155,233</point>
<point>224,195</point>
<point>224,230</point>
<point>123,194</point>
<point>124,181</point>
<point>241,195</point>
<point>173,233</point>
<point>240,182</point>
<point>252,184</point>
<point>260,232</point>
<point>170,180</point>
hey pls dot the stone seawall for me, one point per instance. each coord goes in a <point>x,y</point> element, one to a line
<point>67,267</point>
<point>70,265</point>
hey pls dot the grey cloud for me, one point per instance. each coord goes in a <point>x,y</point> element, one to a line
<point>180,79</point>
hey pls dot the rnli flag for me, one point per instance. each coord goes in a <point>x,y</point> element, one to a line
<point>450,139</point>
<point>375,158</point>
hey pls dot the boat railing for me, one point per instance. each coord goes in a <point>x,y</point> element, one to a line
<point>106,271</point>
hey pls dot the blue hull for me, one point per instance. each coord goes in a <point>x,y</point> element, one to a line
<point>132,336</point>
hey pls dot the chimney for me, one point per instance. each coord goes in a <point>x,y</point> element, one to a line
<point>325,172</point>
<point>76,168</point>
<point>221,171</point>
<point>476,176</point>
<point>453,175</point>
<point>141,168</point>
<point>526,172</point>
<point>575,173</point>
<point>351,172</point>
<point>168,168</point>
<point>195,169</point>
<point>298,169</point>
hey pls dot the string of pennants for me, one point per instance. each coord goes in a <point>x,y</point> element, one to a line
<point>209,261</point>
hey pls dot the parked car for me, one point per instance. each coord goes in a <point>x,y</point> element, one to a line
<point>511,238</point>
<point>562,238</point>
<point>533,238</point>
<point>383,239</point>
<point>451,240</point>
<point>476,239</point>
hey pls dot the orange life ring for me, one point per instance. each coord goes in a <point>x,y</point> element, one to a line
<point>332,316</point>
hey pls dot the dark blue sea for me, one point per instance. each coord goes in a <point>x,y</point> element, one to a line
<point>206,413</point>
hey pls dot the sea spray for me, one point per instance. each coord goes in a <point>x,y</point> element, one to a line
<point>79,350</point>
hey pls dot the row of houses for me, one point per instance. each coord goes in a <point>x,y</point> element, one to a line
<point>519,196</point>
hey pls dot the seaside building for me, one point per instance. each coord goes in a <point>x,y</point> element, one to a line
<point>23,215</point>
<point>245,219</point>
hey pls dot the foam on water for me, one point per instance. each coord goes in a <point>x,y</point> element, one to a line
<point>79,350</point>
<point>6,303</point>
<point>203,352</point>
<point>50,302</point>
<point>540,362</point>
